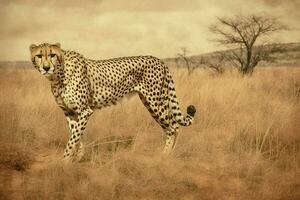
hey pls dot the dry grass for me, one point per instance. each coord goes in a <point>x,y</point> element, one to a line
<point>244,144</point>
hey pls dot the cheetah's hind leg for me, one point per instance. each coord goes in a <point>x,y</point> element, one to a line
<point>170,140</point>
<point>80,151</point>
<point>170,129</point>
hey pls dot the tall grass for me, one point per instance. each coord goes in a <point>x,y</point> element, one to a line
<point>244,144</point>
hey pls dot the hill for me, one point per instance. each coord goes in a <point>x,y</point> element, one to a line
<point>287,55</point>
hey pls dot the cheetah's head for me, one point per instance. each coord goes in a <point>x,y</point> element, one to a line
<point>45,57</point>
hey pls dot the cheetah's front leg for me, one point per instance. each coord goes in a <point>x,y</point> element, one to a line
<point>79,149</point>
<point>74,148</point>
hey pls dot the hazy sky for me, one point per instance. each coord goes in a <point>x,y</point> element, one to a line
<point>111,28</point>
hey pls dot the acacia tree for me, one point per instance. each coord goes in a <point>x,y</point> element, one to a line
<point>241,34</point>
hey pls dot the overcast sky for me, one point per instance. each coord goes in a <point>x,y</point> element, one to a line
<point>111,28</point>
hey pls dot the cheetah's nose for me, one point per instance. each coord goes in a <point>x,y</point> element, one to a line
<point>46,68</point>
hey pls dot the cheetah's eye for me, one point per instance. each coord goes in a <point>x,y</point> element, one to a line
<point>52,55</point>
<point>39,55</point>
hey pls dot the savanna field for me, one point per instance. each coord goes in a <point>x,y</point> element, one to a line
<point>244,143</point>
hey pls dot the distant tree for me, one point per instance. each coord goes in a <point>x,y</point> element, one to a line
<point>241,33</point>
<point>215,62</point>
<point>190,63</point>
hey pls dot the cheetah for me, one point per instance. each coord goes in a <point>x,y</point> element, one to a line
<point>81,85</point>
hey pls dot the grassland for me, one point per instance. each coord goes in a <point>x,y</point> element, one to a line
<point>244,144</point>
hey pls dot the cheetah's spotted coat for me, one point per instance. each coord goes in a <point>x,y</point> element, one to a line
<point>81,85</point>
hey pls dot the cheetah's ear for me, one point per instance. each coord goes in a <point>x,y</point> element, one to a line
<point>32,46</point>
<point>57,44</point>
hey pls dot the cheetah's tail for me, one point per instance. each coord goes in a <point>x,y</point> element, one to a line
<point>188,119</point>
<point>174,105</point>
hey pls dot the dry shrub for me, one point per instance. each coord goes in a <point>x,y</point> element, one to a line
<point>244,144</point>
<point>14,156</point>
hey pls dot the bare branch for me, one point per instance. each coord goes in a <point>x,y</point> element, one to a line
<point>190,63</point>
<point>244,31</point>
